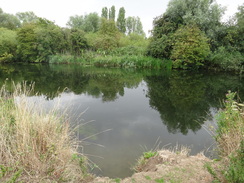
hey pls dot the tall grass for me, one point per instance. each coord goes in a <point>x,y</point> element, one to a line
<point>35,146</point>
<point>230,141</point>
<point>101,58</point>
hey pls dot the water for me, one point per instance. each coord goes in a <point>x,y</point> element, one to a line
<point>132,110</point>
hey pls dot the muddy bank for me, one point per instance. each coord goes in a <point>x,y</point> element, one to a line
<point>168,166</point>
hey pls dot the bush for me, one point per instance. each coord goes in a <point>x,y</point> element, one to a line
<point>190,48</point>
<point>227,59</point>
<point>8,45</point>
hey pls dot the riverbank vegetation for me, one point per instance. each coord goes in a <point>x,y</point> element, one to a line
<point>36,146</point>
<point>230,142</point>
<point>182,38</point>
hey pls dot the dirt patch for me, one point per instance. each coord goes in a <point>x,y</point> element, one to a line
<point>168,166</point>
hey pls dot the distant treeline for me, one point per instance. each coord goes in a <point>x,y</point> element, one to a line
<point>190,34</point>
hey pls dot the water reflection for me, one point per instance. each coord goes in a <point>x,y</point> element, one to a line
<point>182,98</point>
<point>139,106</point>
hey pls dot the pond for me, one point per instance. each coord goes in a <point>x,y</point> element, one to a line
<point>125,112</point>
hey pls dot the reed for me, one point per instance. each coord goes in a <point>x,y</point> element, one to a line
<point>35,145</point>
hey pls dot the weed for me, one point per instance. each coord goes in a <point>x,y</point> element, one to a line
<point>161,180</point>
<point>117,180</point>
<point>229,137</point>
<point>149,154</point>
<point>148,178</point>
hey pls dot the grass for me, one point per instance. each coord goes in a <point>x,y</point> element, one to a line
<point>230,142</point>
<point>36,146</point>
<point>107,60</point>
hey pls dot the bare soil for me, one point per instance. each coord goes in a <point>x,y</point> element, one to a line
<point>167,166</point>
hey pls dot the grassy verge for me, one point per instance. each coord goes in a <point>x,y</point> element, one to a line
<point>107,60</point>
<point>230,141</point>
<point>36,146</point>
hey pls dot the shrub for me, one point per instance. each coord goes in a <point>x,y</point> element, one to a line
<point>190,48</point>
<point>227,59</point>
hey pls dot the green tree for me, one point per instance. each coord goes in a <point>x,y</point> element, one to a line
<point>8,21</point>
<point>8,45</point>
<point>206,14</point>
<point>49,41</point>
<point>27,48</point>
<point>121,21</point>
<point>134,25</point>
<point>78,41</point>
<point>76,22</point>
<point>87,23</point>
<point>190,48</point>
<point>112,13</point>
<point>37,41</point>
<point>108,35</point>
<point>27,17</point>
<point>105,13</point>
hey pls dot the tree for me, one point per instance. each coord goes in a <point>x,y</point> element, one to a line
<point>134,25</point>
<point>8,45</point>
<point>27,17</point>
<point>205,14</point>
<point>109,35</point>
<point>190,48</point>
<point>27,48</point>
<point>37,41</point>
<point>92,21</point>
<point>78,41</point>
<point>112,13</point>
<point>87,23</point>
<point>105,13</point>
<point>8,21</point>
<point>49,41</point>
<point>121,21</point>
<point>76,22</point>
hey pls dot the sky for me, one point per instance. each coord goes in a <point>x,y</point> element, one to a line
<point>60,11</point>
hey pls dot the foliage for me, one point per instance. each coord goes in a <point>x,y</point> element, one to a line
<point>37,41</point>
<point>121,20</point>
<point>27,51</point>
<point>27,17</point>
<point>112,13</point>
<point>132,44</point>
<point>227,59</point>
<point>8,21</point>
<point>87,23</point>
<point>109,35</point>
<point>8,45</point>
<point>229,138</point>
<point>48,41</point>
<point>104,13</point>
<point>78,41</point>
<point>190,48</point>
<point>149,154</point>
<point>134,25</point>
<point>204,14</point>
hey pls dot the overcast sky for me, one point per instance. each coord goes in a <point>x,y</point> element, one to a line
<point>60,11</point>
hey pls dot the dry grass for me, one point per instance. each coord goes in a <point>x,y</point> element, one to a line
<point>230,132</point>
<point>36,146</point>
<point>230,141</point>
